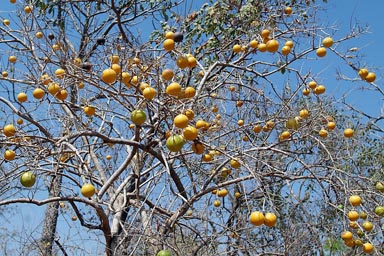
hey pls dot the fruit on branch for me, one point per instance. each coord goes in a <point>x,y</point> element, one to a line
<point>175,143</point>
<point>27,179</point>
<point>22,97</point>
<point>348,133</point>
<point>138,117</point>
<point>9,155</point>
<point>270,219</point>
<point>109,76</point>
<point>88,190</point>
<point>257,218</point>
<point>355,200</point>
<point>327,42</point>
<point>9,130</point>
<point>169,44</point>
<point>89,110</point>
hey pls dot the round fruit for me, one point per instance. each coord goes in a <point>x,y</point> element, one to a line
<point>319,89</point>
<point>236,48</point>
<point>175,143</point>
<point>173,89</point>
<point>363,215</point>
<point>367,226</point>
<point>178,37</point>
<point>189,92</point>
<point>379,210</point>
<point>355,200</point>
<point>149,93</point>
<point>346,235</point>
<point>22,97</point>
<point>270,219</point>
<point>254,44</point>
<point>235,164</point>
<point>169,44</point>
<point>109,76</point>
<point>181,121</point>
<point>207,158</point>
<point>126,78</point>
<point>265,33</point>
<point>6,22</point>
<point>9,155</point>
<point>222,192</point>
<point>28,9</point>
<point>190,133</point>
<point>353,215</point>
<point>285,135</point>
<point>88,190</point>
<point>9,130</point>
<point>198,148</point>
<point>60,73</point>
<point>38,93</point>
<point>380,186</point>
<point>89,110</point>
<point>53,88</point>
<point>256,218</point>
<point>272,45</point>
<point>20,121</point>
<point>39,35</point>
<point>312,85</point>
<point>216,203</point>
<point>257,128</point>
<point>288,11</point>
<point>348,133</point>
<point>323,133</point>
<point>371,77</point>
<point>304,113</point>
<point>289,43</point>
<point>115,59</point>
<point>4,74</point>
<point>167,74</point>
<point>368,248</point>
<point>116,68</point>
<point>327,42</point>
<point>201,124</point>
<point>192,62</point>
<point>27,179</point>
<point>321,52</point>
<point>363,73</point>
<point>331,125</point>
<point>169,35</point>
<point>12,59</point>
<point>285,50</point>
<point>138,117</point>
<point>182,61</point>
<point>189,113</point>
<point>262,47</point>
<point>240,122</point>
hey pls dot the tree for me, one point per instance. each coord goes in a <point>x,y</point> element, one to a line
<point>163,125</point>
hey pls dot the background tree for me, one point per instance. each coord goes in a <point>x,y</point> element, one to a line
<point>173,125</point>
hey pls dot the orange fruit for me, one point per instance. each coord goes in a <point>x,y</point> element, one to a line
<point>272,45</point>
<point>355,200</point>
<point>45,79</point>
<point>22,97</point>
<point>289,43</point>
<point>304,113</point>
<point>254,44</point>
<point>327,42</point>
<point>27,9</point>
<point>62,94</point>
<point>216,203</point>
<point>236,48</point>
<point>371,77</point>
<point>190,133</point>
<point>181,121</point>
<point>53,88</point>
<point>346,235</point>
<point>201,124</point>
<point>323,133</point>
<point>353,215</point>
<point>125,78</point>
<point>60,73</point>
<point>262,47</point>
<point>189,92</point>
<point>19,121</point>
<point>306,91</point>
<point>288,10</point>
<point>265,33</point>
<point>368,248</point>
<point>207,158</point>
<point>240,122</point>
<point>9,155</point>
<point>348,133</point>
<point>189,113</point>
<point>4,74</point>
<point>222,192</point>
<point>198,148</point>
<point>319,89</point>
<point>285,135</point>
<point>367,226</point>
<point>6,22</point>
<point>109,76</point>
<point>321,52</point>
<point>167,74</point>
<point>256,218</point>
<point>114,59</point>
<point>89,110</point>
<point>235,163</point>
<point>169,35</point>
<point>312,84</point>
<point>12,59</point>
<point>39,35</point>
<point>149,93</point>
<point>9,130</point>
<point>331,125</point>
<point>173,89</point>
<point>363,73</point>
<point>349,243</point>
<point>257,128</point>
<point>285,50</point>
<point>237,194</point>
<point>182,62</point>
<point>169,44</point>
<point>270,219</point>
<point>88,190</point>
<point>192,62</point>
<point>116,68</point>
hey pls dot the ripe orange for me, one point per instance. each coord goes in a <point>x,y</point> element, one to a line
<point>9,155</point>
<point>237,194</point>
<point>6,22</point>
<point>265,33</point>
<point>169,35</point>
<point>114,59</point>
<point>27,9</point>
<point>62,94</point>
<point>189,92</point>
<point>312,85</point>
<point>4,74</point>
<point>262,47</point>
<point>327,42</point>
<point>321,52</point>
<point>289,43</point>
<point>304,113</point>
<point>189,113</point>
<point>89,110</point>
<point>353,215</point>
<point>371,77</point>
<point>88,190</point>
<point>192,62</point>
<point>331,125</point>
<point>240,122</point>
<point>149,93</point>
<point>126,78</point>
<point>173,89</point>
<point>201,124</point>
<point>169,44</point>
<point>348,133</point>
<point>60,73</point>
<point>53,88</point>
<point>254,44</point>
<point>216,203</point>
<point>109,76</point>
<point>39,35</point>
<point>346,235</point>
<point>190,133</point>
<point>306,91</point>
<point>207,158</point>
<point>367,226</point>
<point>355,200</point>
<point>198,148</point>
<point>257,128</point>
<point>22,97</point>
<point>285,135</point>
<point>167,74</point>
<point>272,45</point>
<point>20,121</point>
<point>363,73</point>
<point>9,130</point>
<point>270,219</point>
<point>116,68</point>
<point>181,121</point>
<point>182,62</point>
<point>368,248</point>
<point>236,48</point>
<point>256,218</point>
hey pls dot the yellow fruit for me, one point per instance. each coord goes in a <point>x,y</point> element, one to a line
<point>306,91</point>
<point>222,192</point>
<point>53,88</point>
<point>169,35</point>
<point>126,78</point>
<point>88,190</point>
<point>240,122</point>
<point>304,113</point>
<point>167,74</point>
<point>349,243</point>
<point>138,117</point>
<point>143,85</point>
<point>109,76</point>
<point>45,79</point>
<point>189,92</point>
<point>363,73</point>
<point>237,194</point>
<point>19,121</point>
<point>368,248</point>
<point>189,113</point>
<point>114,59</point>
<point>257,218</point>
<point>27,9</point>
<point>6,22</point>
<point>89,110</point>
<point>169,44</point>
<point>173,89</point>
<point>9,130</point>
<point>262,47</point>
<point>216,203</point>
<point>236,48</point>
<point>285,135</point>
<point>38,93</point>
<point>12,59</point>
<point>190,133</point>
<point>353,215</point>
<point>9,155</point>
<point>367,226</point>
<point>346,235</point>
<point>270,219</point>
<point>62,94</point>
<point>265,33</point>
<point>254,44</point>
<point>289,43</point>
<point>116,68</point>
<point>182,62</point>
<point>371,77</point>
<point>327,42</point>
<point>149,93</point>
<point>319,89</point>
<point>235,164</point>
<point>272,45</point>
<point>312,85</point>
<point>181,121</point>
<point>4,74</point>
<point>355,200</point>
<point>348,133</point>
<point>323,133</point>
<point>198,148</point>
<point>22,97</point>
<point>108,157</point>
<point>201,124</point>
<point>60,73</point>
<point>285,50</point>
<point>288,11</point>
<point>257,128</point>
<point>39,35</point>
<point>321,52</point>
<point>331,125</point>
<point>207,158</point>
<point>192,62</point>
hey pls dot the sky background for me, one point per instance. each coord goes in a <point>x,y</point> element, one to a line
<point>341,13</point>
